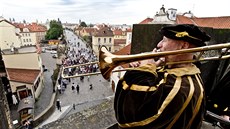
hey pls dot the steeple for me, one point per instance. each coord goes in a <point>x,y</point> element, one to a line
<point>162,10</point>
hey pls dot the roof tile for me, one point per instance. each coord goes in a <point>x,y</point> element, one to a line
<point>23,75</point>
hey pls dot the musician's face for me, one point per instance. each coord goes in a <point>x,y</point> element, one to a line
<point>167,44</point>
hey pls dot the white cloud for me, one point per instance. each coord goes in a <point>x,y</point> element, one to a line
<point>105,11</point>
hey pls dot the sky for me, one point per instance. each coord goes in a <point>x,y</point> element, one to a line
<point>105,11</point>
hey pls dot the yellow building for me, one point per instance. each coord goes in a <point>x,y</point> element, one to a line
<point>104,36</point>
<point>53,42</point>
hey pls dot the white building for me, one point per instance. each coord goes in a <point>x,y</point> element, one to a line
<point>25,73</point>
<point>9,37</point>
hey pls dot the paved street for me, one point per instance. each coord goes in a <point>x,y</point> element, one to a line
<point>86,97</point>
<point>44,98</point>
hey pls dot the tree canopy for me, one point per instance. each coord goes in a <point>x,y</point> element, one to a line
<point>55,30</point>
<point>83,24</point>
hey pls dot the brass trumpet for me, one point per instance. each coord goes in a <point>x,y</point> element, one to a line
<point>108,61</point>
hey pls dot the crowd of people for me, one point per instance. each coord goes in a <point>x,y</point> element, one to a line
<point>76,54</point>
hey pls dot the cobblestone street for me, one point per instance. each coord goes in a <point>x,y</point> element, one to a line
<point>86,97</point>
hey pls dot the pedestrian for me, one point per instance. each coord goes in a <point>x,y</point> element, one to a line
<point>59,88</point>
<point>77,88</point>
<point>74,106</point>
<point>88,78</point>
<point>28,125</point>
<point>169,97</point>
<point>90,86</point>
<point>73,87</point>
<point>58,104</point>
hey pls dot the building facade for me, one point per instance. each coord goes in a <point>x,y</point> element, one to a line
<point>25,74</point>
<point>9,38</point>
<point>103,36</point>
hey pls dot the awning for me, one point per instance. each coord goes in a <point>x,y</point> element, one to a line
<point>26,103</point>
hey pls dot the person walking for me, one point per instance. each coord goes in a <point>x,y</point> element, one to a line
<point>77,88</point>
<point>91,86</point>
<point>58,104</point>
<point>73,87</point>
<point>59,88</point>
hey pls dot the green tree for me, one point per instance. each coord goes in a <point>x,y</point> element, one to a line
<point>83,24</point>
<point>55,30</point>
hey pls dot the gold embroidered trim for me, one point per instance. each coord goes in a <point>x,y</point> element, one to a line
<point>125,86</point>
<point>151,68</point>
<point>197,108</point>
<point>138,87</point>
<point>183,34</point>
<point>187,101</point>
<point>168,99</point>
<point>184,71</point>
<point>142,88</point>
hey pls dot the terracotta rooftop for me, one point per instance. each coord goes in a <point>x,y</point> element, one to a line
<point>124,51</point>
<point>34,27</point>
<point>117,32</point>
<point>22,75</point>
<point>89,30</point>
<point>215,22</point>
<point>146,21</point>
<point>104,32</point>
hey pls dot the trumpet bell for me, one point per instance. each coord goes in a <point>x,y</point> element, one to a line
<point>106,63</point>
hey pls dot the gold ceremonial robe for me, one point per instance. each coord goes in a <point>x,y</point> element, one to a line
<point>147,98</point>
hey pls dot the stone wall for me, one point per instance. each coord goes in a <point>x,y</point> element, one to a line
<point>97,117</point>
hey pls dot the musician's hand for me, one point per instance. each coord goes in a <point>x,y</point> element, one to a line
<point>160,61</point>
<point>135,64</point>
<point>156,61</point>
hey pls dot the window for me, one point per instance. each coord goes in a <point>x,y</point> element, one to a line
<point>99,40</point>
<point>27,40</point>
<point>109,48</point>
<point>24,40</point>
<point>110,40</point>
<point>104,40</point>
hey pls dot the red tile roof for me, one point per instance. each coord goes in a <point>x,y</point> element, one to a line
<point>104,32</point>
<point>34,27</point>
<point>89,30</point>
<point>117,32</point>
<point>214,22</point>
<point>146,21</point>
<point>129,30</point>
<point>22,75</point>
<point>124,51</point>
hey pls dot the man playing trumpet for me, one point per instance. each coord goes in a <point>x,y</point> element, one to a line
<point>168,98</point>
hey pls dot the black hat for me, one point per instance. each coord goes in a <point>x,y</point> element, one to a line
<point>186,32</point>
